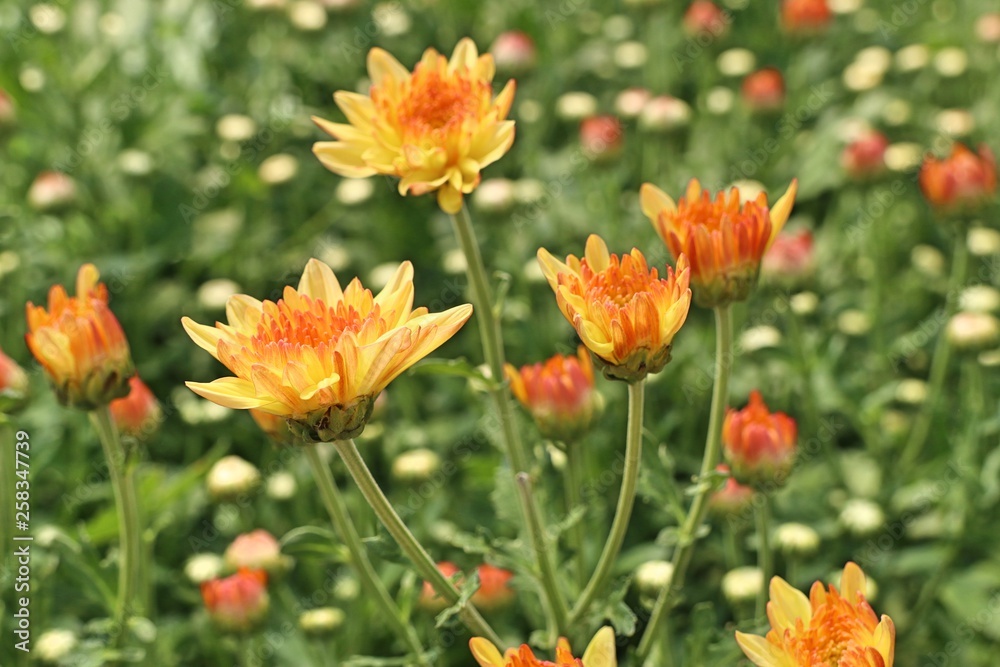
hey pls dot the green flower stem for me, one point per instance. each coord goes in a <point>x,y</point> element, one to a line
<point>337,509</point>
<point>492,338</point>
<point>626,501</point>
<point>407,542</point>
<point>555,604</point>
<point>574,474</point>
<point>699,507</point>
<point>939,363</point>
<point>765,556</point>
<point>126,504</point>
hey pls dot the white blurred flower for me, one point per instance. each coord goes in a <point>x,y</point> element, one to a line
<point>576,106</point>
<point>416,465</point>
<point>736,62</point>
<point>862,517</point>
<point>281,486</point>
<point>54,645</point>
<point>203,567</point>
<point>796,538</point>
<point>903,156</point>
<point>719,100</point>
<point>759,338</point>
<point>911,391</point>
<point>454,261</point>
<point>231,477</point>
<point>216,292</point>
<point>955,122</point>
<point>630,102</point>
<point>354,191</point>
<point>279,168</point>
<point>951,61</point>
<point>392,18</point>
<point>235,127</point>
<point>135,162</point>
<point>853,322</point>
<point>664,113</point>
<point>912,57</point>
<point>380,276</point>
<point>631,55</point>
<point>975,331</point>
<point>321,621</point>
<point>983,241</point>
<point>742,584</point>
<point>653,576</point>
<point>804,303</point>
<point>494,195</point>
<point>979,299</point>
<point>928,260</point>
<point>307,15</point>
<point>49,19</point>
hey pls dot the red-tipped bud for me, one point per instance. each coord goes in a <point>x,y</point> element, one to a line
<point>256,550</point>
<point>864,158</point>
<point>805,17</point>
<point>514,52</point>
<point>963,181</point>
<point>238,603</point>
<point>764,90</point>
<point>732,499</point>
<point>790,257</point>
<point>704,18</point>
<point>137,415</point>
<point>759,445</point>
<point>601,137</point>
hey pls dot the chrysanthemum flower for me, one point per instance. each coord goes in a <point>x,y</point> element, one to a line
<point>622,310</point>
<point>320,356</point>
<point>559,394</point>
<point>434,128</point>
<point>80,344</point>
<point>962,181</point>
<point>723,239</point>
<point>759,445</point>
<point>830,627</point>
<point>600,653</point>
<point>237,603</point>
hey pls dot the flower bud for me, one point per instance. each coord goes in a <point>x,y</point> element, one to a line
<point>653,576</point>
<point>416,465</point>
<point>665,113</point>
<point>256,550</point>
<point>429,599</point>
<point>494,195</point>
<point>631,102</point>
<point>513,52</point>
<point>232,477</point>
<point>322,621</point>
<point>805,17</point>
<point>862,517</point>
<point>704,19</point>
<point>733,499</point>
<point>281,485</point>
<point>494,588</point>
<point>13,385</point>
<point>759,446</point>
<point>962,182</point>
<point>53,646</point>
<point>203,567</point>
<point>796,539</point>
<point>238,603</point>
<point>973,332</point>
<point>601,138</point>
<point>988,28</point>
<point>864,158</point>
<point>790,257</point>
<point>51,190</point>
<point>559,394</point>
<point>742,584</point>
<point>764,90</point>
<point>137,415</point>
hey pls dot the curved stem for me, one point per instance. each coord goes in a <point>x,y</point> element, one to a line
<point>337,509</point>
<point>126,506</point>
<point>407,542</point>
<point>574,474</point>
<point>765,557</point>
<point>939,363</point>
<point>555,604</point>
<point>626,500</point>
<point>699,507</point>
<point>491,335</point>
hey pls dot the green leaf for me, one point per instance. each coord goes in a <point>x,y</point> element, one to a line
<point>306,540</point>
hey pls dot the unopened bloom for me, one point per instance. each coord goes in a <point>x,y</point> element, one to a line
<point>704,17</point>
<point>513,51</point>
<point>805,17</point>
<point>231,477</point>
<point>559,394</point>
<point>764,90</point>
<point>864,158</point>
<point>790,257</point>
<point>622,310</point>
<point>13,384</point>
<point>137,415</point>
<point>733,498</point>
<point>256,550</point>
<point>829,627</point>
<point>759,445</point>
<point>973,331</point>
<point>321,621</point>
<point>601,137</point>
<point>80,344</point>
<point>964,181</point>
<point>742,584</point>
<point>320,355</point>
<point>494,590</point>
<point>51,190</point>
<point>237,603</point>
<point>434,128</point>
<point>723,239</point>
<point>600,653</point>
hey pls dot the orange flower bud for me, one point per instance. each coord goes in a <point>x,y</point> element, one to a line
<point>705,18</point>
<point>964,181</point>
<point>80,344</point>
<point>790,257</point>
<point>494,588</point>
<point>137,415</point>
<point>559,394</point>
<point>864,158</point>
<point>601,137</point>
<point>760,446</point>
<point>13,384</point>
<point>764,90</point>
<point>805,17</point>
<point>513,51</point>
<point>51,190</point>
<point>732,499</point>
<point>238,603</point>
<point>429,599</point>
<point>256,550</point>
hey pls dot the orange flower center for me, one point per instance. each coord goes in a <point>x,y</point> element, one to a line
<point>721,213</point>
<point>434,100</point>
<point>831,638</point>
<point>619,283</point>
<point>311,324</point>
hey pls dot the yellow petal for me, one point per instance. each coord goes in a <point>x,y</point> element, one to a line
<point>342,131</point>
<point>782,209</point>
<point>341,158</point>
<point>464,55</point>
<point>601,651</point>
<point>205,337</point>
<point>654,200</point>
<point>230,392</point>
<point>485,653</point>
<point>449,199</point>
<point>787,604</point>
<point>761,652</point>
<point>382,65</point>
<point>884,640</point>
<point>693,190</point>
<point>358,108</point>
<point>243,313</point>
<point>86,280</point>
<point>319,282</point>
<point>597,253</point>
<point>852,582</point>
<point>551,267</point>
<point>397,296</point>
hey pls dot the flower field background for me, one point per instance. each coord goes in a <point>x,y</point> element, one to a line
<point>170,145</point>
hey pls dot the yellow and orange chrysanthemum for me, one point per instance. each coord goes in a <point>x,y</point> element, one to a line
<point>559,393</point>
<point>600,653</point>
<point>830,627</point>
<point>724,239</point>
<point>434,128</point>
<point>320,355</point>
<point>622,310</point>
<point>80,344</point>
